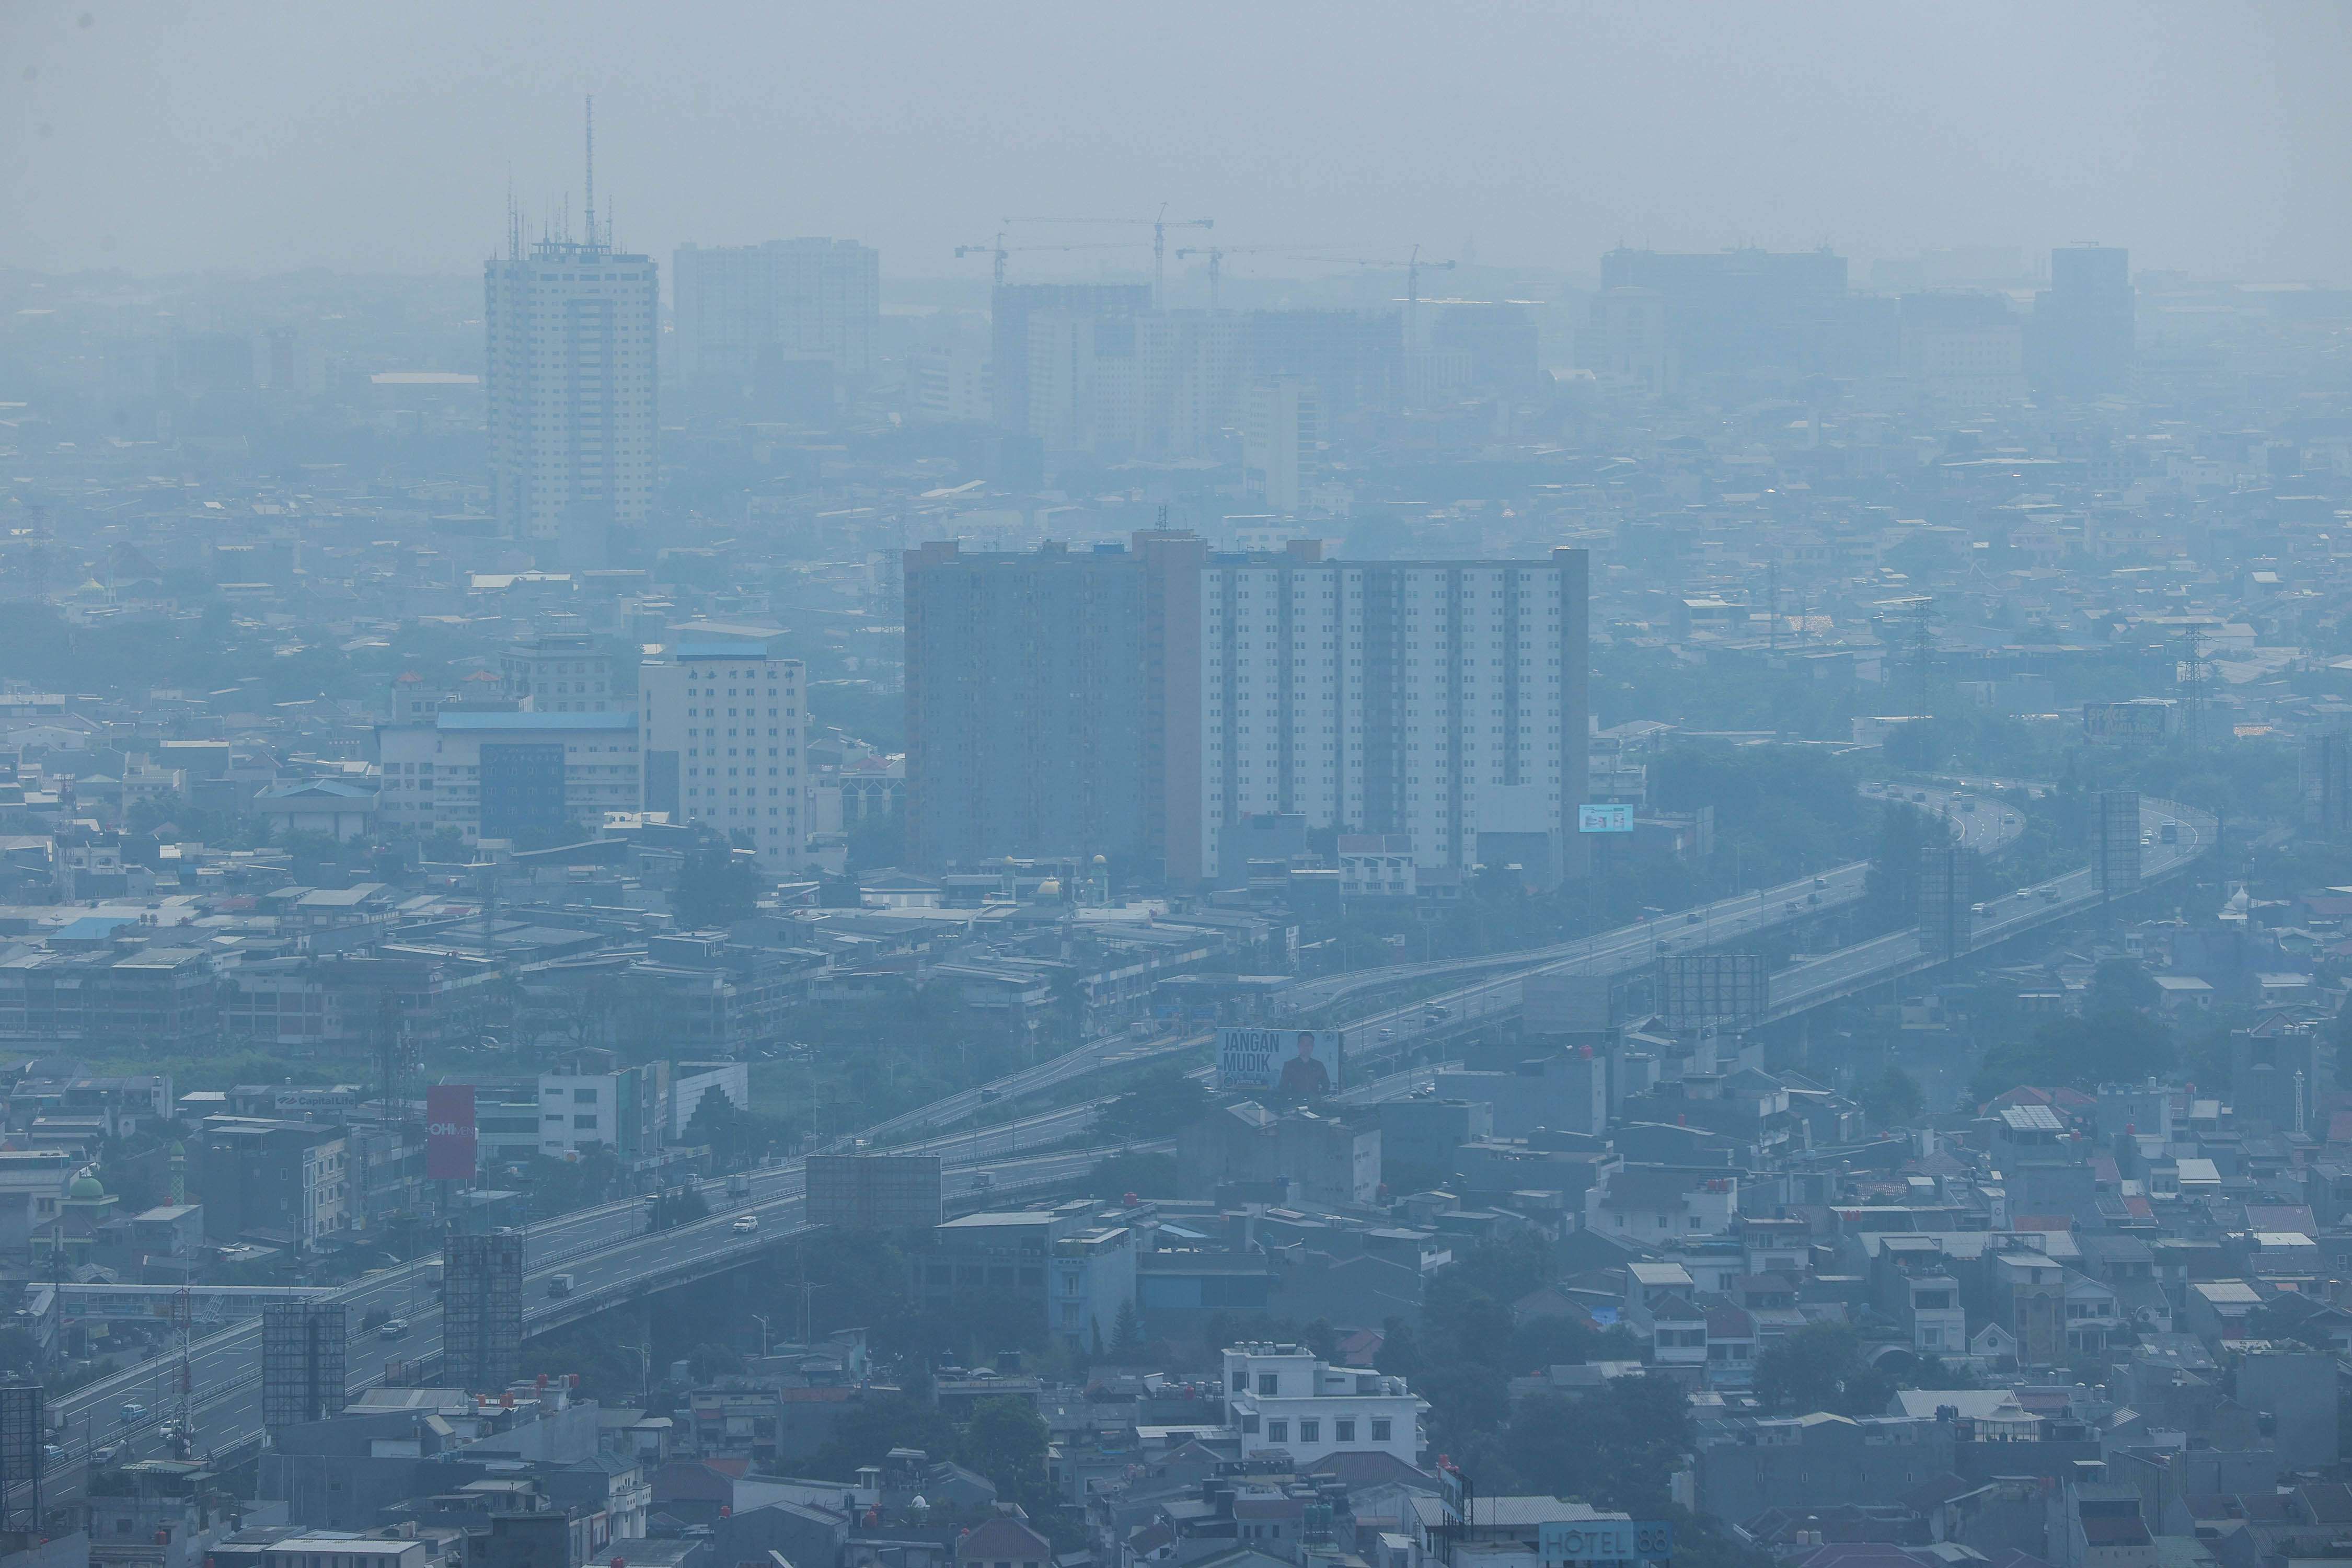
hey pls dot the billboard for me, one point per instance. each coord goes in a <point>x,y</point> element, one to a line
<point>2142,724</point>
<point>2115,850</point>
<point>1565,1003</point>
<point>481,1316</point>
<point>1303,1062</point>
<point>303,1346</point>
<point>22,1452</point>
<point>1604,820</point>
<point>449,1133</point>
<point>874,1192</point>
<point>1712,987</point>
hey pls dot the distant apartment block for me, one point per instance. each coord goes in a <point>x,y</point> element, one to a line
<point>742,309</point>
<point>725,725</point>
<point>569,378</point>
<point>508,774</point>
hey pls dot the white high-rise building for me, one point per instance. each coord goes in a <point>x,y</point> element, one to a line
<point>569,378</point>
<point>1280,442</point>
<point>1441,700</point>
<point>738,305</point>
<point>725,726</point>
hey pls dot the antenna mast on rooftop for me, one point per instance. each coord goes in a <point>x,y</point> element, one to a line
<point>592,170</point>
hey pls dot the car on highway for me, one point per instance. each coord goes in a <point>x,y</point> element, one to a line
<point>2048,895</point>
<point>103,1454</point>
<point>1387,1034</point>
<point>52,1453</point>
<point>1691,918</point>
<point>745,1223</point>
<point>133,1412</point>
<point>392,1329</point>
<point>1821,882</point>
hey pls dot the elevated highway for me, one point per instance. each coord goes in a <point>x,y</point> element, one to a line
<point>613,1259</point>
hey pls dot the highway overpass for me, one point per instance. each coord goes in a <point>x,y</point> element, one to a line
<point>613,1259</point>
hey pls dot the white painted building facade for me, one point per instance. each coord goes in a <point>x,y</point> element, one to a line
<point>1283,1396</point>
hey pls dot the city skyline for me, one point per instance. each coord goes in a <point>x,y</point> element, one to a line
<point>1542,139</point>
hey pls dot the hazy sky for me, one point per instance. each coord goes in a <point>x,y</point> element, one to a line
<point>160,136</point>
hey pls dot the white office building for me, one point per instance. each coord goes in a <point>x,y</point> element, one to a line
<point>725,721</point>
<point>950,383</point>
<point>1442,701</point>
<point>507,775</point>
<point>569,379</point>
<point>1281,442</point>
<point>1283,1396</point>
<point>559,672</point>
<point>742,306</point>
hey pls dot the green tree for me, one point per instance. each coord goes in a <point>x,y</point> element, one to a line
<point>877,841</point>
<point>1127,1335</point>
<point>1006,1443</point>
<point>1167,1100</point>
<point>2114,1046</point>
<point>716,887</point>
<point>1893,1099</point>
<point>707,1360</point>
<point>2121,985</point>
<point>1613,1447</point>
<point>873,1425</point>
<point>1819,1367</point>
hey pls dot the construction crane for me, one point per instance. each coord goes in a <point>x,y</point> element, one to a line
<point>999,250</point>
<point>1412,268</point>
<point>996,250</point>
<point>1160,226</point>
<point>1217,254</point>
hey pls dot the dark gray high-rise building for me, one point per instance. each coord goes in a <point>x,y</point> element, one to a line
<point>1741,309</point>
<point>1024,703</point>
<point>1354,358</point>
<point>2083,323</point>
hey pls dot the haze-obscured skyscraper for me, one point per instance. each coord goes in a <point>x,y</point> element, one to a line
<point>568,382</point>
<point>742,309</point>
<point>1067,306</point>
<point>1741,309</point>
<point>1280,442</point>
<point>2083,324</point>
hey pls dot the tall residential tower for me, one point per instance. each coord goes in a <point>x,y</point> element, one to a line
<point>567,370</point>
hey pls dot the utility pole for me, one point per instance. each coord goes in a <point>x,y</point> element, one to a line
<point>1923,636</point>
<point>2193,677</point>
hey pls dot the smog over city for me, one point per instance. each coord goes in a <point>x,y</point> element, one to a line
<point>1487,785</point>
